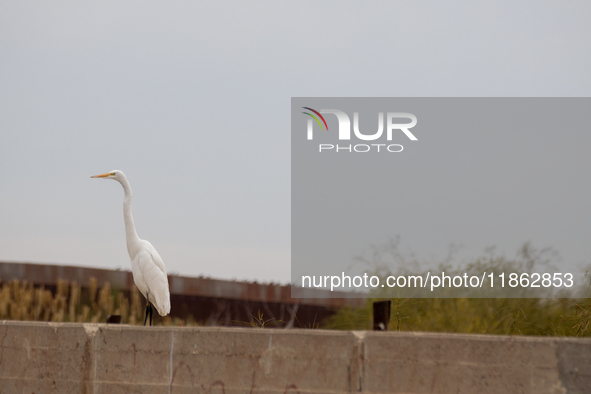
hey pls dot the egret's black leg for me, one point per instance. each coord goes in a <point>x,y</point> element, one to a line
<point>151,313</point>
<point>147,312</point>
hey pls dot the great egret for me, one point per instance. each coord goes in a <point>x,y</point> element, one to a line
<point>149,273</point>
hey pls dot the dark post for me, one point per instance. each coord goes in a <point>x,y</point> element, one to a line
<point>381,315</point>
<point>113,319</point>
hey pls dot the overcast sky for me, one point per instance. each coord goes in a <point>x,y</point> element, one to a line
<point>192,101</point>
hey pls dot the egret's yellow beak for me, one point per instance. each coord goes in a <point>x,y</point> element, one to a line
<point>102,175</point>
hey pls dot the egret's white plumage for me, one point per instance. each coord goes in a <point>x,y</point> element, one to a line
<point>149,273</point>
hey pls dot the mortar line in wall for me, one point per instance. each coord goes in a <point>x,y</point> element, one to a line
<point>171,351</point>
<point>95,360</point>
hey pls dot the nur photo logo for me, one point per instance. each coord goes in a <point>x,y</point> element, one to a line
<point>393,125</point>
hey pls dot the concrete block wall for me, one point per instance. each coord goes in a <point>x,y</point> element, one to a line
<point>40,357</point>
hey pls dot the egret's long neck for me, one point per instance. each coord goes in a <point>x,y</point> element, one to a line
<point>130,233</point>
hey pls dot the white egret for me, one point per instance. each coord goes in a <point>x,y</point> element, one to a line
<point>149,273</point>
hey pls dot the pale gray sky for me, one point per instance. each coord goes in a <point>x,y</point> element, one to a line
<point>192,101</point>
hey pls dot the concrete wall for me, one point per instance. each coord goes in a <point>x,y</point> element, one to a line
<point>88,358</point>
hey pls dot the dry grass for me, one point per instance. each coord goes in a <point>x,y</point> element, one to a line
<point>72,303</point>
<point>507,316</point>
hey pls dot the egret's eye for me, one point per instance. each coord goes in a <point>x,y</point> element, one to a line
<point>112,174</point>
